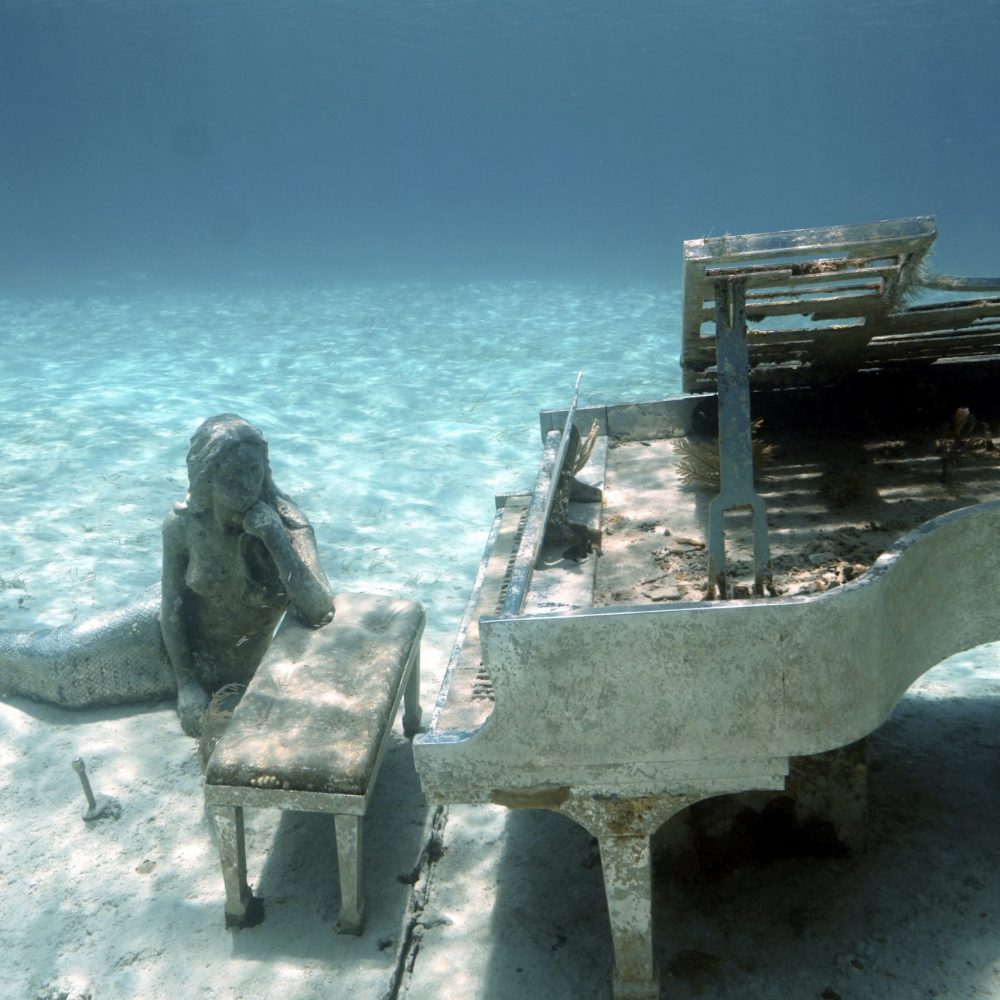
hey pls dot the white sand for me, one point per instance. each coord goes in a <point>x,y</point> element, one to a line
<point>394,415</point>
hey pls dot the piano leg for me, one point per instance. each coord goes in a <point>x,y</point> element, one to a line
<point>623,828</point>
<point>628,886</point>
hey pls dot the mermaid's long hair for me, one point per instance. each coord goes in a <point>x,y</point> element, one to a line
<point>208,445</point>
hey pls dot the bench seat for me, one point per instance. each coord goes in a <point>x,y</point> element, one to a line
<point>310,732</point>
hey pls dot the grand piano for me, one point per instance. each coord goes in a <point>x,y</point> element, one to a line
<point>638,640</point>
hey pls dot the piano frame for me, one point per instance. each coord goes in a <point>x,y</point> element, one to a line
<point>622,716</point>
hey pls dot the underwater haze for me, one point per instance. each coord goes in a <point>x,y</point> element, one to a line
<point>389,232</point>
<point>285,142</point>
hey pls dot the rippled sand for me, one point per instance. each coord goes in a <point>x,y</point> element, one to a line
<point>393,415</point>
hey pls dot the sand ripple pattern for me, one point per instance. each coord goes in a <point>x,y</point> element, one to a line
<point>394,414</point>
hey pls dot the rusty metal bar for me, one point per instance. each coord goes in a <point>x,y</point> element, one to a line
<point>736,486</point>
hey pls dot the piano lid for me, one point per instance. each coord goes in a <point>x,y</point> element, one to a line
<point>827,301</point>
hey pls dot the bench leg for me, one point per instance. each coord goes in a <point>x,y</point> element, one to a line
<point>412,712</point>
<point>628,886</point>
<point>243,909</point>
<point>352,903</point>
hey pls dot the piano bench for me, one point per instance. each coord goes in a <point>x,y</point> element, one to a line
<point>309,734</point>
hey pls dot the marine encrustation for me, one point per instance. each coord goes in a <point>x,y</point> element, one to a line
<point>237,554</point>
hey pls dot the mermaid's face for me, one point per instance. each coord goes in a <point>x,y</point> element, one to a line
<point>238,479</point>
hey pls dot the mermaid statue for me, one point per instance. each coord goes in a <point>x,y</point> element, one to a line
<point>237,554</point>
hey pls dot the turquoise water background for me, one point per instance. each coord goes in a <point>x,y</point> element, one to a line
<point>391,232</point>
<point>394,414</point>
<point>264,143</point>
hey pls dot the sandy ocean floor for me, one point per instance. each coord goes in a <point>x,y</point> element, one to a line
<point>393,415</point>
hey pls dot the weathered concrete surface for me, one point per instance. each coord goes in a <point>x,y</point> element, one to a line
<point>621,706</point>
<point>516,907</point>
<point>713,698</point>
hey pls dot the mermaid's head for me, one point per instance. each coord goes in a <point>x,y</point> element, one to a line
<point>227,448</point>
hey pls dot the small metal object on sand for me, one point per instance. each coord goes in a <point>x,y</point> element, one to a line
<point>99,807</point>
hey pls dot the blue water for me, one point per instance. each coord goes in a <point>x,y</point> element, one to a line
<point>390,231</point>
<point>274,142</point>
<point>394,413</point>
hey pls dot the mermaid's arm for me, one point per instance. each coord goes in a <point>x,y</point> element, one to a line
<point>192,699</point>
<point>292,545</point>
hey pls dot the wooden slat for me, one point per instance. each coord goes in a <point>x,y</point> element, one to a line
<point>827,306</point>
<point>813,287</point>
<point>952,314</point>
<point>954,347</point>
<point>856,272</point>
<point>944,337</point>
<point>794,278</point>
<point>778,340</point>
<point>871,239</point>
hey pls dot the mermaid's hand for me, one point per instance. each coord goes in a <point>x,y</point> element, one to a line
<point>263,522</point>
<point>192,701</point>
<point>294,554</point>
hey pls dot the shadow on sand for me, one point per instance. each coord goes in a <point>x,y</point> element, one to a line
<point>917,915</point>
<point>292,862</point>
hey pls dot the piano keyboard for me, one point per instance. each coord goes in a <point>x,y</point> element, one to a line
<point>468,690</point>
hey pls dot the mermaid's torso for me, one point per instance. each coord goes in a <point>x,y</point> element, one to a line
<point>234,600</point>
